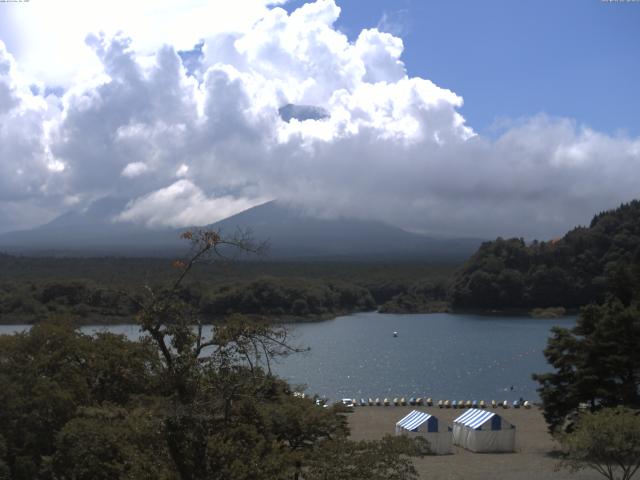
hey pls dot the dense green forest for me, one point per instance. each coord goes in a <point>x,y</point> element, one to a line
<point>575,270</point>
<point>98,290</point>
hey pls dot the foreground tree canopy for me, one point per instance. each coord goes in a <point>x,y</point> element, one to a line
<point>174,405</point>
<point>597,363</point>
<point>607,441</point>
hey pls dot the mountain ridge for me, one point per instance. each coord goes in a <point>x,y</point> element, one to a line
<point>290,233</point>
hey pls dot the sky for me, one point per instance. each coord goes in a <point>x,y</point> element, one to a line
<point>458,118</point>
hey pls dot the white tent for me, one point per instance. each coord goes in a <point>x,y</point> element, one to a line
<point>484,431</point>
<point>427,426</point>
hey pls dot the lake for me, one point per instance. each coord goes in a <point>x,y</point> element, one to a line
<point>448,356</point>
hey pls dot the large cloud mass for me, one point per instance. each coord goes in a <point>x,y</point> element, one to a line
<point>190,146</point>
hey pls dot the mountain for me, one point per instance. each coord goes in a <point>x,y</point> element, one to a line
<point>302,112</point>
<point>290,235</point>
<point>91,231</point>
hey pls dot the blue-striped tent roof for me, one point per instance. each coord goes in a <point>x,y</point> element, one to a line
<point>412,421</point>
<point>475,418</point>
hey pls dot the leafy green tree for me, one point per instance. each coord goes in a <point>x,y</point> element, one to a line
<point>386,459</point>
<point>607,441</point>
<point>50,372</point>
<point>112,443</point>
<point>596,363</point>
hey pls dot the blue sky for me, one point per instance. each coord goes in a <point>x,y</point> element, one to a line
<point>511,59</point>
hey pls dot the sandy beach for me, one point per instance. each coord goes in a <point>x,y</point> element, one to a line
<point>533,458</point>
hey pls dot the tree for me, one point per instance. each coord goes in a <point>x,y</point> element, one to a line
<point>607,441</point>
<point>341,459</point>
<point>49,372</point>
<point>178,405</point>
<point>224,415</point>
<point>596,363</point>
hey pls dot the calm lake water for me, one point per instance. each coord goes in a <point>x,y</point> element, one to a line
<point>448,356</point>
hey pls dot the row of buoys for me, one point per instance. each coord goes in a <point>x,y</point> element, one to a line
<point>458,404</point>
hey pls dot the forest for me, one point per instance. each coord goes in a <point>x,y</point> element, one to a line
<point>575,270</point>
<point>97,290</point>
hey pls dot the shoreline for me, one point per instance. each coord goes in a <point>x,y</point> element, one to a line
<point>292,319</point>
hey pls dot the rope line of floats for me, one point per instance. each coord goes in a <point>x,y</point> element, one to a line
<point>428,402</point>
<point>459,404</point>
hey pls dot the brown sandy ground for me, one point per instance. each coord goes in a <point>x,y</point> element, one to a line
<point>533,458</point>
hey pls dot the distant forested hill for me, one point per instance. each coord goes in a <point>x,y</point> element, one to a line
<point>576,270</point>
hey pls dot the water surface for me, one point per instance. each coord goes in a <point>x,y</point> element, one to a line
<point>450,356</point>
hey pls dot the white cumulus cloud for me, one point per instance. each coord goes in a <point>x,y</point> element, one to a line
<point>183,203</point>
<point>193,145</point>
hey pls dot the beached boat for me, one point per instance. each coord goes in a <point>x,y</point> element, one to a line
<point>419,401</point>
<point>447,404</point>
<point>363,402</point>
<point>527,404</point>
<point>403,402</point>
<point>468,404</point>
<point>396,401</point>
<point>474,404</point>
<point>378,403</point>
<point>386,402</point>
<point>454,404</point>
<point>430,401</point>
<point>440,404</point>
<point>494,404</point>
<point>505,404</point>
<point>482,404</point>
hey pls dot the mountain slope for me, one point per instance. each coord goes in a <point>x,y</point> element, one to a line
<point>91,231</point>
<point>289,233</point>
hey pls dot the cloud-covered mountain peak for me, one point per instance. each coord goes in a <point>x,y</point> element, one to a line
<point>302,112</point>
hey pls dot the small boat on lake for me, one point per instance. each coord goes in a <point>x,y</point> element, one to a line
<point>395,334</point>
